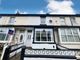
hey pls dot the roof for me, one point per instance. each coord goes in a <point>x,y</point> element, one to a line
<point>39,14</point>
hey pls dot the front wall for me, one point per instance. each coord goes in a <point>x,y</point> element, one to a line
<point>78,21</point>
<point>35,20</point>
<point>26,58</point>
<point>27,20</point>
<point>68,22</point>
<point>31,20</point>
<point>4,20</point>
<point>56,21</point>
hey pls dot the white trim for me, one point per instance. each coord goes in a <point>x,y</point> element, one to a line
<point>4,41</point>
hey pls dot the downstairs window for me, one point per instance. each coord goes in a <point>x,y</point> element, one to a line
<point>44,35</point>
<point>3,34</point>
<point>69,35</point>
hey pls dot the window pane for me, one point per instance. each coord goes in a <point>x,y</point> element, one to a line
<point>43,36</point>
<point>68,31</point>
<point>75,32</point>
<point>70,38</point>
<point>7,37</point>
<point>29,31</point>
<point>3,30</point>
<point>64,39</point>
<point>76,39</point>
<point>21,38</point>
<point>37,35</point>
<point>28,37</point>
<point>62,31</point>
<point>49,36</point>
<point>2,36</point>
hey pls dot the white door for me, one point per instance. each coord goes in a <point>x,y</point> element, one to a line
<point>29,38</point>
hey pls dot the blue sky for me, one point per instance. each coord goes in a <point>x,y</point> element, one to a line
<point>40,6</point>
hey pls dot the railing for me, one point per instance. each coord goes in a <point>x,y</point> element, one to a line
<point>67,54</point>
<point>41,53</point>
<point>13,52</point>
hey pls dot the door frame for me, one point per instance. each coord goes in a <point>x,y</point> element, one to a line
<point>25,42</point>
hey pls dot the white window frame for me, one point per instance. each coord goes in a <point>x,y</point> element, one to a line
<point>68,42</point>
<point>51,30</point>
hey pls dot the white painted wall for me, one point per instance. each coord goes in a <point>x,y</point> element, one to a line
<point>68,22</point>
<point>35,20</point>
<point>78,21</point>
<point>27,20</point>
<point>42,46</point>
<point>4,20</point>
<point>46,59</point>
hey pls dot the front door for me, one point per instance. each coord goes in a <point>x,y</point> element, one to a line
<point>29,38</point>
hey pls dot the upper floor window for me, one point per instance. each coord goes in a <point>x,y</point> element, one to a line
<point>68,35</point>
<point>62,20</point>
<point>43,20</point>
<point>44,35</point>
<point>73,20</point>
<point>12,20</point>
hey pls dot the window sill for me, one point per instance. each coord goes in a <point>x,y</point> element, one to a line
<point>70,43</point>
<point>52,42</point>
<point>4,41</point>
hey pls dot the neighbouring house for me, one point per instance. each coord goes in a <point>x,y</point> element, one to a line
<point>42,31</point>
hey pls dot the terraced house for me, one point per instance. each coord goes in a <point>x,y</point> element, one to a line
<point>44,35</point>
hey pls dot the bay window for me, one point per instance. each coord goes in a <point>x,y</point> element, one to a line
<point>69,35</point>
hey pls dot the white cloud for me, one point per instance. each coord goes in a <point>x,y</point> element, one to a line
<point>20,12</point>
<point>41,12</point>
<point>60,7</point>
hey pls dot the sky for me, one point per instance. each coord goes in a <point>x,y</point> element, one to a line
<point>40,6</point>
